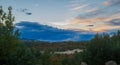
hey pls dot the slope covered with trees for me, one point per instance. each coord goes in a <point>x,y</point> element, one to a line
<point>102,48</point>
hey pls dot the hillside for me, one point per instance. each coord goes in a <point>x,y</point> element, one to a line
<point>55,46</point>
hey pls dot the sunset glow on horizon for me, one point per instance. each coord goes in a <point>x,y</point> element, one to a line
<point>80,15</point>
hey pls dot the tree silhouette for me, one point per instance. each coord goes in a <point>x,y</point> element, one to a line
<point>12,50</point>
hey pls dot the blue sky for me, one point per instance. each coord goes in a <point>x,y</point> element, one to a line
<point>42,10</point>
<point>77,15</point>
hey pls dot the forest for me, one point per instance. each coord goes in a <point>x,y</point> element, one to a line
<point>13,51</point>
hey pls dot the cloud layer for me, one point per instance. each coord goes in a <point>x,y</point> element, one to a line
<point>94,16</point>
<point>35,31</point>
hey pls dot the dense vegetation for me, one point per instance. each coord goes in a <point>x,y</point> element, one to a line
<point>97,51</point>
<point>12,50</point>
<point>55,46</point>
<point>102,48</point>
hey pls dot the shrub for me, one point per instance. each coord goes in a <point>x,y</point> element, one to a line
<point>100,50</point>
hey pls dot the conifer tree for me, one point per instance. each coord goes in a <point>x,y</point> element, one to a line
<point>8,35</point>
<point>12,51</point>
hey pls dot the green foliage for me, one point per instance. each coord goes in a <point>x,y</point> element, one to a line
<point>7,35</point>
<point>12,50</point>
<point>102,49</point>
<point>46,58</point>
<point>56,46</point>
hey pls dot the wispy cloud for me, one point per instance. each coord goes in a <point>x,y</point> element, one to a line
<point>80,7</point>
<point>85,15</point>
<point>111,3</point>
<point>92,10</point>
<point>25,11</point>
<point>114,22</point>
<point>106,3</point>
<point>114,2</point>
<point>95,24</point>
<point>22,10</point>
<point>92,16</point>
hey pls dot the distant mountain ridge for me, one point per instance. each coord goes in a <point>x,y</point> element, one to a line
<point>35,31</point>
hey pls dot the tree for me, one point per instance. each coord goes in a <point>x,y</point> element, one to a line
<point>8,35</point>
<point>102,48</point>
<point>12,50</point>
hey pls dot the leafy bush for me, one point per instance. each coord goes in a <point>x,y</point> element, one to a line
<point>12,50</point>
<point>101,49</point>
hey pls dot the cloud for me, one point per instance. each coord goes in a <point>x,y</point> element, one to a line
<point>114,22</point>
<point>93,24</point>
<point>109,3</point>
<point>80,7</point>
<point>19,27</point>
<point>106,3</point>
<point>114,2</point>
<point>28,13</point>
<point>108,8</point>
<point>92,10</point>
<point>33,30</point>
<point>22,10</point>
<point>25,11</point>
<point>90,25</point>
<point>92,16</point>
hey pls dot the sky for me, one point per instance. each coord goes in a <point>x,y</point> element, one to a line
<point>77,15</point>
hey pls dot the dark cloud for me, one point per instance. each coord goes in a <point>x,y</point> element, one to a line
<point>28,13</point>
<point>33,30</point>
<point>115,22</point>
<point>90,25</point>
<point>24,10</point>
